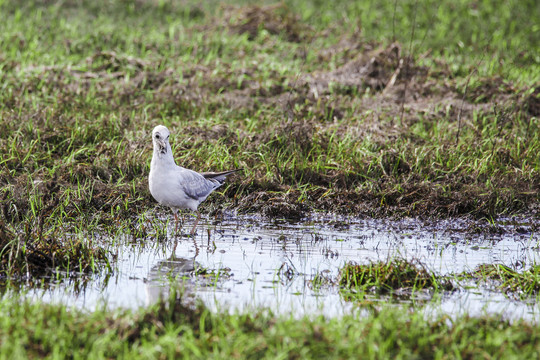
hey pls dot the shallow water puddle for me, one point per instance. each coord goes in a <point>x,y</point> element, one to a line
<point>250,263</point>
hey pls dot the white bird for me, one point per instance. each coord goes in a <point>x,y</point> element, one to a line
<point>174,186</point>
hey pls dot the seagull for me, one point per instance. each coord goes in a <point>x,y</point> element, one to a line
<point>177,187</point>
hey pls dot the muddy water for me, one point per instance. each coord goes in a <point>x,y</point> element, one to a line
<point>272,264</point>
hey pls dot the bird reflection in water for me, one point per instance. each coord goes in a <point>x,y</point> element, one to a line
<point>168,273</point>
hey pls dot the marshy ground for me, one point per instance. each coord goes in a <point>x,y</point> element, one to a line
<point>387,110</point>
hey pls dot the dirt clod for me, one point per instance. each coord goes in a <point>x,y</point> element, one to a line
<point>276,19</point>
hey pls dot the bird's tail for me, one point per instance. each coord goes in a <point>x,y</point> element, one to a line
<point>219,176</point>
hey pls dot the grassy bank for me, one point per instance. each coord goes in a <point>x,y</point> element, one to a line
<point>172,330</point>
<point>379,109</point>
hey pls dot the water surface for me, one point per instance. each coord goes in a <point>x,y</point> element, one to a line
<point>272,264</point>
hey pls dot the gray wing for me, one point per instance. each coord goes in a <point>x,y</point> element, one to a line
<point>195,185</point>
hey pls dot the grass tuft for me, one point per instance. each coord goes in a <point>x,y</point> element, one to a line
<point>33,254</point>
<point>384,277</point>
<point>506,279</point>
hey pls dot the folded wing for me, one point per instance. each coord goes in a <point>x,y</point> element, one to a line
<point>196,186</point>
<point>199,185</point>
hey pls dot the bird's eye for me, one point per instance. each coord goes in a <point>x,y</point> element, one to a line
<point>157,136</point>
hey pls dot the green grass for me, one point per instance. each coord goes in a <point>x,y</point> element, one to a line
<point>387,108</point>
<point>524,283</point>
<point>403,278</point>
<point>395,279</point>
<point>389,276</point>
<point>169,329</point>
<point>305,96</point>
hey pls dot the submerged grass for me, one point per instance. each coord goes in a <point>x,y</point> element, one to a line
<point>171,329</point>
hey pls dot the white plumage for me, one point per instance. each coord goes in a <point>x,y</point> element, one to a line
<point>174,186</point>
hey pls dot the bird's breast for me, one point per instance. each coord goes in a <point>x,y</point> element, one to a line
<point>166,190</point>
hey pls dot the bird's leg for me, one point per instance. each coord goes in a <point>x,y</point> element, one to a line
<point>196,222</point>
<point>173,256</point>
<point>176,222</point>
<point>196,247</point>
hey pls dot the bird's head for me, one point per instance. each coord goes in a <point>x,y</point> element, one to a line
<point>160,139</point>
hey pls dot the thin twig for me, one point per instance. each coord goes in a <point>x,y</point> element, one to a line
<point>460,111</point>
<point>394,22</point>
<point>407,64</point>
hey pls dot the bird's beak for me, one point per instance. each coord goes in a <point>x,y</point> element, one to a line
<point>162,146</point>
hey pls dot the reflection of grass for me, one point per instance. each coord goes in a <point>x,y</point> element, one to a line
<point>214,276</point>
<point>321,280</point>
<point>506,279</point>
<point>390,276</point>
<point>172,330</point>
